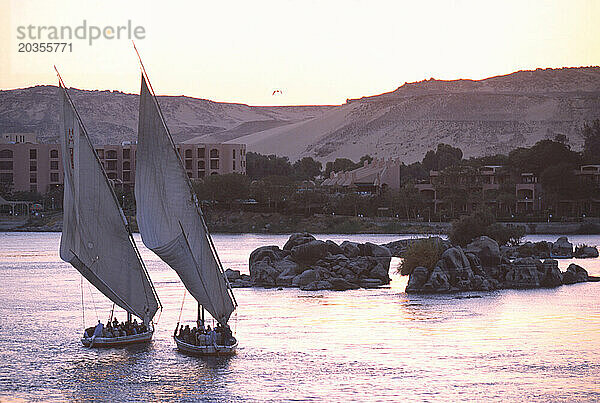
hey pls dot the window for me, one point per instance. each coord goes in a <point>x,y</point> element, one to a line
<point>54,165</point>
<point>234,165</point>
<point>126,176</point>
<point>32,178</point>
<point>188,153</point>
<point>54,177</point>
<point>188,164</point>
<point>53,153</point>
<point>111,165</point>
<point>202,152</point>
<point>33,154</point>
<point>33,188</point>
<point>100,152</point>
<point>202,164</point>
<point>6,177</point>
<point>126,166</point>
<point>214,153</point>
<point>111,175</point>
<point>6,154</point>
<point>233,154</point>
<point>126,153</point>
<point>178,151</point>
<point>189,174</point>
<point>214,164</point>
<point>32,166</point>
<point>201,174</point>
<point>6,165</point>
<point>111,155</point>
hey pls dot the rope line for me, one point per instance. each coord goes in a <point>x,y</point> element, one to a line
<point>82,305</point>
<point>182,302</point>
<point>93,302</point>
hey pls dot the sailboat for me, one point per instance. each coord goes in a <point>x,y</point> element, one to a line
<point>172,225</point>
<point>96,239</point>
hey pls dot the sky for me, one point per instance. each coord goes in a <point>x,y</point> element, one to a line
<point>314,52</point>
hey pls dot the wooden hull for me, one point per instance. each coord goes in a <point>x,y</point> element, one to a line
<point>118,341</point>
<point>192,349</point>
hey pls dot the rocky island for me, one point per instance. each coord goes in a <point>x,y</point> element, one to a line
<point>481,266</point>
<point>311,264</point>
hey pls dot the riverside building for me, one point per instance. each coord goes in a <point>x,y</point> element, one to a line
<point>32,167</point>
<point>492,185</point>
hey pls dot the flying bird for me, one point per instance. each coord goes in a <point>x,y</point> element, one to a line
<point>277,92</point>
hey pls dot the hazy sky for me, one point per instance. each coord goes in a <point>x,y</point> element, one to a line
<point>315,52</point>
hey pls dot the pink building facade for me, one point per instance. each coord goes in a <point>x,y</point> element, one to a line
<point>33,167</point>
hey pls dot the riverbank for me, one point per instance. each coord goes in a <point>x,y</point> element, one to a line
<point>237,222</point>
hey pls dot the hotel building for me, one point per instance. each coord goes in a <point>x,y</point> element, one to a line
<point>32,167</point>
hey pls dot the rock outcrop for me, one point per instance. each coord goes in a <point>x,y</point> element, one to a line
<point>575,274</point>
<point>562,247</point>
<point>481,267</point>
<point>311,264</point>
<point>585,252</point>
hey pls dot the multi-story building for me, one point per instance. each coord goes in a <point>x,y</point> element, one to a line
<point>529,193</point>
<point>480,183</point>
<point>34,167</point>
<point>30,167</point>
<point>528,196</point>
<point>589,176</point>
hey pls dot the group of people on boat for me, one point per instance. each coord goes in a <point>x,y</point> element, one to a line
<point>205,336</point>
<point>116,329</point>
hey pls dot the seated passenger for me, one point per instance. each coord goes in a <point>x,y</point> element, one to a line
<point>227,335</point>
<point>201,338</point>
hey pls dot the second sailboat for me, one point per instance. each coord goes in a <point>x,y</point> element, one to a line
<point>172,225</point>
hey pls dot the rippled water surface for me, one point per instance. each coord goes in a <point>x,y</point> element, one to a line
<point>367,345</point>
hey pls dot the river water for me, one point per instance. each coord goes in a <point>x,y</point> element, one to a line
<point>360,345</point>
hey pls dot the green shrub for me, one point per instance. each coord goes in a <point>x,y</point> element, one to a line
<point>424,253</point>
<point>505,235</point>
<point>482,222</point>
<point>470,227</point>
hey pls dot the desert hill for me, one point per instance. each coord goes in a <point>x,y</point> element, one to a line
<point>482,117</point>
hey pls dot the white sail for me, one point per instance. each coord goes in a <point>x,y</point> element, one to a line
<point>95,239</point>
<point>168,216</point>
